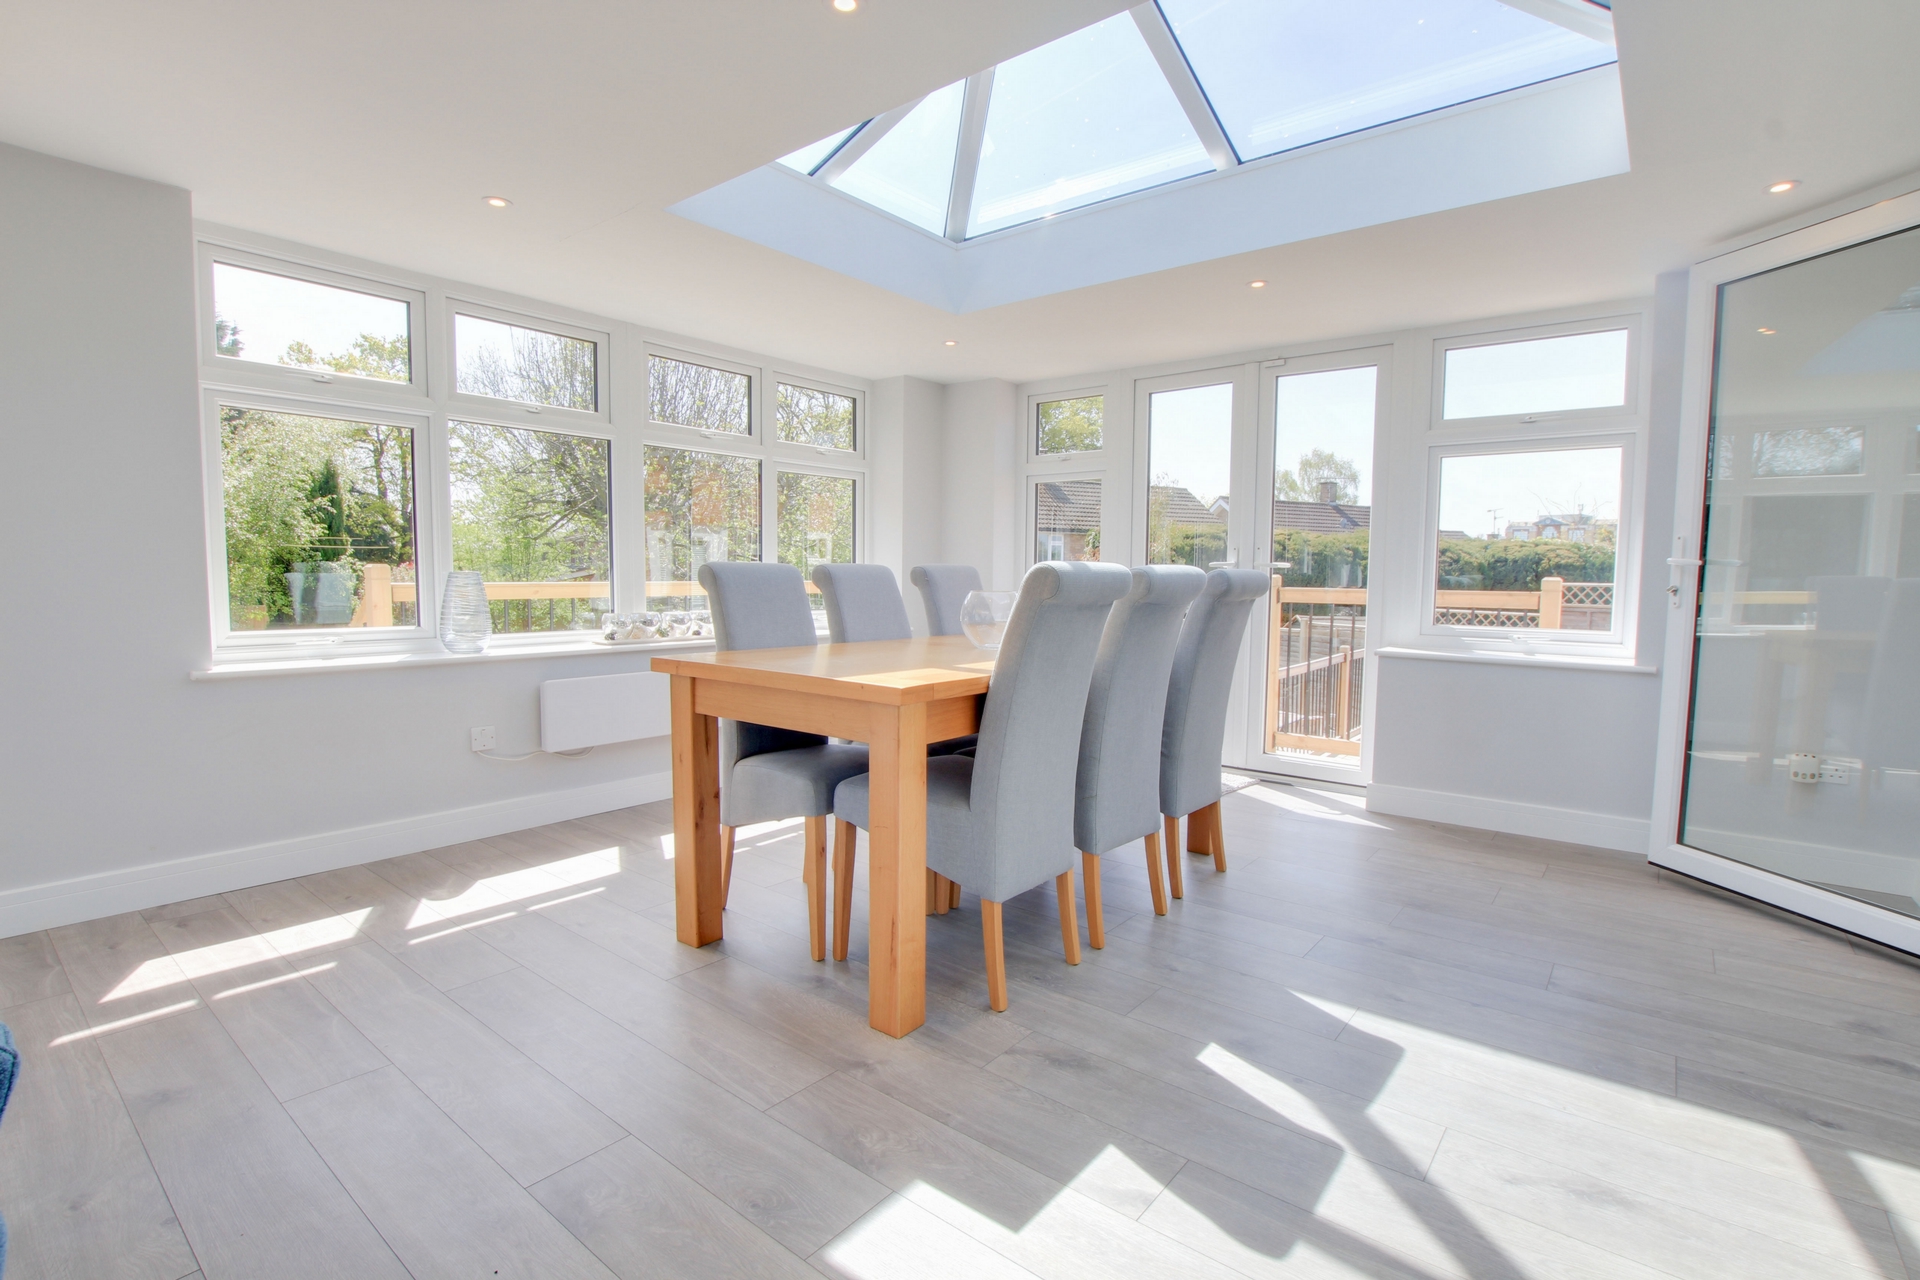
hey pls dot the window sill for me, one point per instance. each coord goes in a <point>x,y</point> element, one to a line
<point>230,667</point>
<point>1542,661</point>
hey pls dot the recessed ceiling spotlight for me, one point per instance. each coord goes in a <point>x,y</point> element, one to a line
<point>952,343</point>
<point>498,202</point>
<point>846,6</point>
<point>1256,284</point>
<point>1766,331</point>
<point>1783,186</point>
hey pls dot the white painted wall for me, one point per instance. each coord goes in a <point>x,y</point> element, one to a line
<point>981,494</point>
<point>125,784</point>
<point>906,455</point>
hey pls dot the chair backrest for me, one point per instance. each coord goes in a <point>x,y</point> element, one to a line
<point>1028,753</point>
<point>757,606</point>
<point>1893,682</point>
<point>863,603</point>
<point>1202,678</point>
<point>1117,796</point>
<point>944,588</point>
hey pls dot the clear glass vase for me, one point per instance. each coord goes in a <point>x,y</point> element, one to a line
<point>983,616</point>
<point>466,624</point>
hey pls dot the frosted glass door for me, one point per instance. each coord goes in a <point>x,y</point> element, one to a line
<point>1803,751</point>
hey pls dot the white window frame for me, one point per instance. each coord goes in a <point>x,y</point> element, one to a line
<point>1072,457</point>
<point>775,378</point>
<point>289,642</point>
<point>1632,322</point>
<point>1049,475</point>
<point>429,402</point>
<point>753,439</point>
<point>458,401</point>
<point>1246,394</point>
<point>234,372</point>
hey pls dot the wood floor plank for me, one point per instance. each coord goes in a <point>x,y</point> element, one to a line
<point>1050,1229</point>
<point>119,970</point>
<point>295,1039</point>
<point>445,955</point>
<point>645,1219</point>
<point>252,1195</point>
<point>81,1198</point>
<point>789,1188</point>
<point>445,1208</point>
<point>518,1113</point>
<point>30,969</point>
<point>739,1057</point>
<point>901,1239</point>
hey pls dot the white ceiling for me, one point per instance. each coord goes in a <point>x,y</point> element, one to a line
<point>374,129</point>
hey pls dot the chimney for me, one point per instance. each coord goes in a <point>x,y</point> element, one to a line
<point>1329,491</point>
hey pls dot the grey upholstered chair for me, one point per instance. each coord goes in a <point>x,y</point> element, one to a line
<point>863,603</point>
<point>1196,724</point>
<point>944,588</point>
<point>1001,822</point>
<point>767,774</point>
<point>1117,797</point>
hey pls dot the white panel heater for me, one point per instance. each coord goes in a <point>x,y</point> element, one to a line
<point>595,710</point>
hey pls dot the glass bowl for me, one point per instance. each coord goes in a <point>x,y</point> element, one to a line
<point>983,616</point>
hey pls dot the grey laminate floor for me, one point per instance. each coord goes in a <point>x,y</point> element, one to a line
<point>1374,1047</point>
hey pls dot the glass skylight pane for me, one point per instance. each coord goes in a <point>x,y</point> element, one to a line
<point>909,173</point>
<point>1285,73</point>
<point>1083,119</point>
<point>808,158</point>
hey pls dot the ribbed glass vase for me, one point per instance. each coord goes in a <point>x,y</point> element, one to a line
<point>466,624</point>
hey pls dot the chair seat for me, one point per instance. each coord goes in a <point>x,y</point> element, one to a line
<point>953,746</point>
<point>798,783</point>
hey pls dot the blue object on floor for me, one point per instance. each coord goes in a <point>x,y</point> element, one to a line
<point>9,1068</point>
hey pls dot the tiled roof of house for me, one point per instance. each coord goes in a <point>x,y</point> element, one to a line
<point>1179,506</point>
<point>1066,506</point>
<point>1320,517</point>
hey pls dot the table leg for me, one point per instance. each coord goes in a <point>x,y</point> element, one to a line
<point>896,870</point>
<point>697,890</point>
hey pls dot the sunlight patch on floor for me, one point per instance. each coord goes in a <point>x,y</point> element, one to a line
<point>221,957</point>
<point>274,982</point>
<point>1297,800</point>
<point>493,892</point>
<point>135,1020</point>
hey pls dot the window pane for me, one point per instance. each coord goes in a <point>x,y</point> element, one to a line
<point>1322,513</point>
<point>1066,520</point>
<point>508,362</point>
<point>319,521</point>
<point>1070,426</point>
<point>1527,540</point>
<point>1810,451</point>
<point>530,511</point>
<point>1286,73</point>
<point>1189,450</point>
<point>1083,119</point>
<point>909,173</point>
<point>1540,375</point>
<point>808,158</point>
<point>700,507</point>
<point>693,395</point>
<point>274,319</point>
<point>818,418</point>
<point>816,522</point>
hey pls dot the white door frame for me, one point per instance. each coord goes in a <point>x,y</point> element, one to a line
<point>1709,274</point>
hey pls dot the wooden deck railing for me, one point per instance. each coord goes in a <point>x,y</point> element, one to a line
<point>379,593</point>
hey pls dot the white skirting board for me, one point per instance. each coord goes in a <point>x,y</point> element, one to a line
<point>1515,817</point>
<point>106,893</point>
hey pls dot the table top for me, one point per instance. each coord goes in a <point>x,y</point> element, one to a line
<point>896,672</point>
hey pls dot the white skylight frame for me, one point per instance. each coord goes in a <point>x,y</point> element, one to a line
<point>831,157</point>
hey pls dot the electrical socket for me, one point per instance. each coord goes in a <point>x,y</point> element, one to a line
<point>482,738</point>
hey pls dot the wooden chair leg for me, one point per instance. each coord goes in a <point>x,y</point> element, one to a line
<point>1096,914</point>
<point>1069,916</point>
<point>1174,881</point>
<point>816,879</point>
<point>726,864</point>
<point>996,946</point>
<point>933,882</point>
<point>1197,832</point>
<point>1217,836</point>
<point>1156,881</point>
<point>844,836</point>
<point>953,891</point>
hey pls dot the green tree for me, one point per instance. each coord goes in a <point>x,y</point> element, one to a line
<point>1315,468</point>
<point>531,506</point>
<point>1476,564</point>
<point>1072,426</point>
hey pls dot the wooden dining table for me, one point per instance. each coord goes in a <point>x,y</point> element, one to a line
<point>894,695</point>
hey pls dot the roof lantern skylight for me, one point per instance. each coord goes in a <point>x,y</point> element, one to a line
<point>1173,89</point>
<point>1180,131</point>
